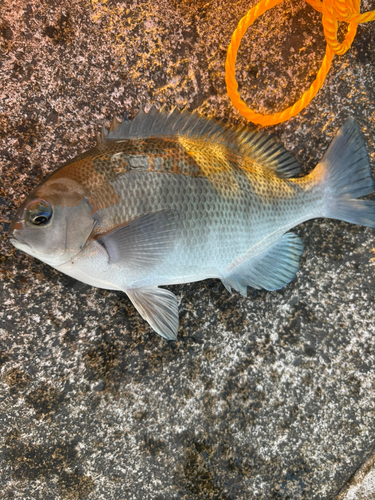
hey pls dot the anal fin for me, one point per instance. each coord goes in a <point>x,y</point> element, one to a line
<point>271,269</point>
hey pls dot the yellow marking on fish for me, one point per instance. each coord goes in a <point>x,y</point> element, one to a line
<point>213,161</point>
<point>210,157</point>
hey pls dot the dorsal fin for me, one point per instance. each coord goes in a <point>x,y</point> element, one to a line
<point>266,151</point>
<point>261,148</point>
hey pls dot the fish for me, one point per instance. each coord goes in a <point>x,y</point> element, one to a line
<point>172,197</point>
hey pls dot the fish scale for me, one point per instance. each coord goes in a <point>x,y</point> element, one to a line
<point>223,204</point>
<point>173,198</point>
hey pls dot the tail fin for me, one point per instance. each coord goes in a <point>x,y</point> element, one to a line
<point>346,171</point>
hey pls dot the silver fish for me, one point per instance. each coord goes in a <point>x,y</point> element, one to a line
<point>173,197</point>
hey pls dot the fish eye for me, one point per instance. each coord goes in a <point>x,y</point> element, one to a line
<point>39,212</point>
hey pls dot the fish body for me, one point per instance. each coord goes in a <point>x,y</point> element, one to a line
<point>173,198</point>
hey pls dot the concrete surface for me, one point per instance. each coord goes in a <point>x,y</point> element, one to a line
<point>269,397</point>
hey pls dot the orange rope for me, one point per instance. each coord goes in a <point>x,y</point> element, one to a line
<point>333,11</point>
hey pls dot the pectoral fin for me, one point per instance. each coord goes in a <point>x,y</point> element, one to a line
<point>158,307</point>
<point>272,269</point>
<point>144,241</point>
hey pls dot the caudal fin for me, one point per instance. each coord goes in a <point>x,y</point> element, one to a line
<point>346,173</point>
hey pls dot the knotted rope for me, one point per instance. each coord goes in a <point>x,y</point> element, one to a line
<point>333,11</point>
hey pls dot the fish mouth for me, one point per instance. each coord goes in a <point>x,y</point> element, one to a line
<point>15,225</point>
<point>17,241</point>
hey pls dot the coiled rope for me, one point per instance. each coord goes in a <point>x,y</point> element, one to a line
<point>333,11</point>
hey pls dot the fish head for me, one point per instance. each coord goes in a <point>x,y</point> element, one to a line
<point>54,223</point>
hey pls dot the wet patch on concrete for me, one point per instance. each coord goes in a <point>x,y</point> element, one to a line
<point>45,400</point>
<point>62,32</point>
<point>31,462</point>
<point>16,379</point>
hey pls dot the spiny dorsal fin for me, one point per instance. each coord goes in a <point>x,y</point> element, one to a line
<point>266,151</point>
<point>261,148</point>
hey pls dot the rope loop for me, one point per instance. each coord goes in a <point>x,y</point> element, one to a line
<point>332,11</point>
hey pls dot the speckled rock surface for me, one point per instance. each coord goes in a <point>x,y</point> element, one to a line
<point>269,397</point>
